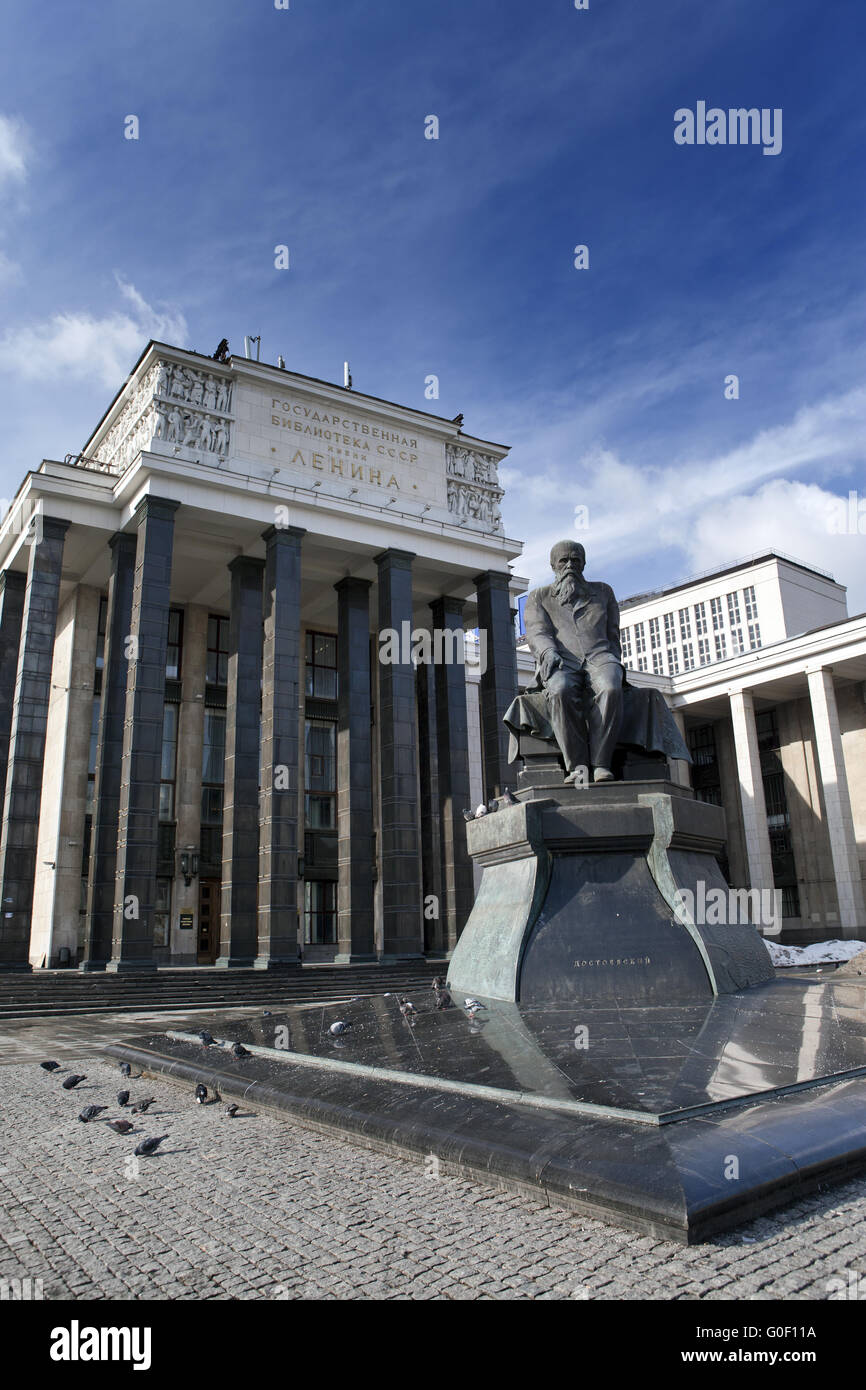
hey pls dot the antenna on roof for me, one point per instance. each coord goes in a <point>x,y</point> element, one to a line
<point>248,341</point>
<point>347,377</point>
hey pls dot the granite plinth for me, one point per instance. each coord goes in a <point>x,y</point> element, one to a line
<point>580,900</point>
<point>633,1115</point>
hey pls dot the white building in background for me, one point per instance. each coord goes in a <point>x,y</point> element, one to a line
<point>766,675</point>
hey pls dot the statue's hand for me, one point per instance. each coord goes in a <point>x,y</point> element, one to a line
<point>549,663</point>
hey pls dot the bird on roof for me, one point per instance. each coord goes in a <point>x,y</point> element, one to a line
<point>458,420</point>
<point>222,352</point>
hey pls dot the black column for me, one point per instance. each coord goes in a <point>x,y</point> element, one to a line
<point>355,843</point>
<point>452,740</point>
<point>278,815</point>
<point>138,822</point>
<point>13,584</point>
<point>109,755</point>
<point>498,686</point>
<point>26,755</point>
<point>239,918</point>
<point>431,837</point>
<point>398,759</point>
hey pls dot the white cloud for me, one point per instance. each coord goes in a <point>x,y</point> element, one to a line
<point>710,510</point>
<point>14,149</point>
<point>82,347</point>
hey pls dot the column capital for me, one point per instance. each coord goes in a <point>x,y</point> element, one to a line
<point>493,579</point>
<point>12,580</point>
<point>249,563</point>
<point>123,540</point>
<point>156,508</point>
<point>396,559</point>
<point>449,604</point>
<point>350,583</point>
<point>283,533</point>
<point>54,528</point>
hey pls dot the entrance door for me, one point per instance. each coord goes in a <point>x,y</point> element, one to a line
<point>209,890</point>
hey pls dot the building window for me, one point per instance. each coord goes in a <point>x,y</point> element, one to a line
<point>162,913</point>
<point>655,638</point>
<point>320,912</point>
<point>737,643</point>
<point>734,609</point>
<point>641,663</point>
<point>705,764</point>
<point>703,651</point>
<point>670,630</point>
<point>721,646</point>
<point>101,629</point>
<point>688,657</point>
<point>673,661</point>
<point>657,663</point>
<point>754,635</point>
<point>169,762</point>
<point>718,614</point>
<point>217,670</point>
<point>751,603</point>
<point>91,759</point>
<point>685,624</point>
<point>639,642</point>
<point>174,648</point>
<point>212,786</point>
<point>625,638</point>
<point>320,774</point>
<point>700,619</point>
<point>321,660</point>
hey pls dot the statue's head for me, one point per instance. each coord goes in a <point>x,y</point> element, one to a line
<point>567,557</point>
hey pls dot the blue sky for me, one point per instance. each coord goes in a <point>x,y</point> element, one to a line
<point>454,257</point>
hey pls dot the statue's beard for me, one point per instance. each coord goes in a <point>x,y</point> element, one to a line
<point>567,588</point>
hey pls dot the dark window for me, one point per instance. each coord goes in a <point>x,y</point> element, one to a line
<point>320,774</point>
<point>162,913</point>
<point>217,651</point>
<point>91,760</point>
<point>321,663</point>
<point>169,763</point>
<point>320,912</point>
<point>174,648</point>
<point>101,628</point>
<point>213,768</point>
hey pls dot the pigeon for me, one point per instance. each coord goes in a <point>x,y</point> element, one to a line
<point>125,1069</point>
<point>468,815</point>
<point>122,1098</point>
<point>407,1008</point>
<point>201,1093</point>
<point>222,351</point>
<point>231,1110</point>
<point>480,811</point>
<point>72,1081</point>
<point>141,1107</point>
<point>492,806</point>
<point>207,1040</point>
<point>473,1004</point>
<point>90,1112</point>
<point>266,1013</point>
<point>443,999</point>
<point>50,1066</point>
<point>149,1146</point>
<point>458,420</point>
<point>339,1027</point>
<point>506,799</point>
<point>238,1050</point>
<point>120,1126</point>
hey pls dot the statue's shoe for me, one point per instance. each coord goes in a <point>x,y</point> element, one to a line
<point>602,774</point>
<point>578,777</point>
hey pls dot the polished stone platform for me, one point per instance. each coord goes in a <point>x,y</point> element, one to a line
<point>680,1120</point>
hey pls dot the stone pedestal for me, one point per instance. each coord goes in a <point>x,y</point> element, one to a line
<point>585,897</point>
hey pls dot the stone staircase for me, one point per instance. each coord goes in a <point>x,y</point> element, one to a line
<point>52,993</point>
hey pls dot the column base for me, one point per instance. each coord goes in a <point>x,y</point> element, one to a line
<point>356,958</point>
<point>234,963</point>
<point>87,967</point>
<point>271,963</point>
<point>130,967</point>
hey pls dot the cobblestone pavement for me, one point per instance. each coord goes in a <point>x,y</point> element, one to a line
<point>260,1208</point>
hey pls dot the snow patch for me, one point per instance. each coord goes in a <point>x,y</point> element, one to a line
<point>819,953</point>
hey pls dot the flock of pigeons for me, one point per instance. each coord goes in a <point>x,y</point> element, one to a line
<point>150,1144</point>
<point>443,1000</point>
<point>506,799</point>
